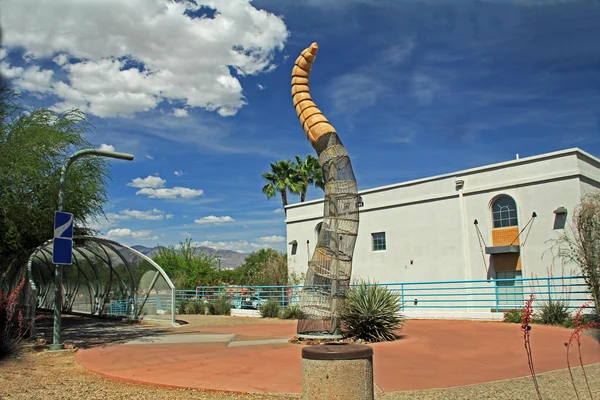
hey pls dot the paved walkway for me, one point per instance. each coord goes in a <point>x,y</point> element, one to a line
<point>257,358</point>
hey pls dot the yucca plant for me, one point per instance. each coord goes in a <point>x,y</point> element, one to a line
<point>554,312</point>
<point>270,309</point>
<point>292,312</point>
<point>371,313</point>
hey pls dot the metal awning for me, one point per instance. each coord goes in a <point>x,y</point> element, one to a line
<point>502,249</point>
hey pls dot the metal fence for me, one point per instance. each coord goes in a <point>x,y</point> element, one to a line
<point>493,295</point>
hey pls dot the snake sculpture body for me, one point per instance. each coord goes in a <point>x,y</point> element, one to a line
<point>330,266</point>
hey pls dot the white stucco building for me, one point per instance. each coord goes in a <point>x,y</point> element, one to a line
<point>424,230</point>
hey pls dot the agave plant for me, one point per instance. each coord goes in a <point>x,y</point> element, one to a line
<point>270,309</point>
<point>371,313</point>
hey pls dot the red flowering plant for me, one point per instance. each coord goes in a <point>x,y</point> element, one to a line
<point>12,326</point>
<point>526,329</point>
<point>580,326</point>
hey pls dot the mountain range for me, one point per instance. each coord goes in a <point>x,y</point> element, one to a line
<point>229,259</point>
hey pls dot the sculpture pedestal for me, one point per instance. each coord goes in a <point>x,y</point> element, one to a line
<point>337,371</point>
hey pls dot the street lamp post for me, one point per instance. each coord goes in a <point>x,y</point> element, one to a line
<point>57,343</point>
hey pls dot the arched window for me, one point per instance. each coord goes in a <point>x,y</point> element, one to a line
<point>504,212</point>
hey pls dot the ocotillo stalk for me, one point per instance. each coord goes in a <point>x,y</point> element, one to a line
<point>330,266</point>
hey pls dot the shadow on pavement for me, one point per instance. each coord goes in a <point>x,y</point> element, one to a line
<point>85,332</point>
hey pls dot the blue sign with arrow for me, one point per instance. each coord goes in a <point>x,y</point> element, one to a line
<point>62,251</point>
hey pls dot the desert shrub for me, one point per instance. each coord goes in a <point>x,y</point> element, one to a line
<point>370,312</point>
<point>270,309</point>
<point>513,316</point>
<point>583,320</point>
<point>195,307</point>
<point>554,312</point>
<point>12,326</point>
<point>292,312</point>
<point>220,306</point>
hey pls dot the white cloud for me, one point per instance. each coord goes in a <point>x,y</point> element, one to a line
<point>272,239</point>
<point>178,173</point>
<point>424,88</point>
<point>108,147</point>
<point>278,210</point>
<point>149,157</point>
<point>398,53</point>
<point>148,182</point>
<point>180,112</point>
<point>149,215</point>
<point>186,234</point>
<point>211,219</point>
<point>120,233</point>
<point>238,245</point>
<point>355,91</point>
<point>31,79</point>
<point>61,59</point>
<point>170,193</point>
<point>260,87</point>
<point>131,55</point>
<point>102,224</point>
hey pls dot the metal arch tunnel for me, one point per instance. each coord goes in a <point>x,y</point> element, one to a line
<point>106,278</point>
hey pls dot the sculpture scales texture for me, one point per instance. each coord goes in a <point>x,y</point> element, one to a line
<point>330,267</point>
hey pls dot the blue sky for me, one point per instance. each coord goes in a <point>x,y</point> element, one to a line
<point>415,88</point>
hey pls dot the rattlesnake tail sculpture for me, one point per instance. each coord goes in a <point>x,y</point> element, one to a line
<point>330,267</point>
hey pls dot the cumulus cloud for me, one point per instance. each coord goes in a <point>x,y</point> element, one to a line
<point>278,210</point>
<point>260,87</point>
<point>108,147</point>
<point>30,79</point>
<point>239,245</point>
<point>148,182</point>
<point>211,219</point>
<point>235,245</point>
<point>101,224</point>
<point>272,239</point>
<point>61,59</point>
<point>149,215</point>
<point>131,55</point>
<point>170,193</point>
<point>178,173</point>
<point>180,112</point>
<point>121,233</point>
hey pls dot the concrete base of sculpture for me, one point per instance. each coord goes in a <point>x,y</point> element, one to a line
<point>337,371</point>
<point>314,336</point>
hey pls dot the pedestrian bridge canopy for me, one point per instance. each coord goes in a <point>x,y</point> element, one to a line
<point>105,278</point>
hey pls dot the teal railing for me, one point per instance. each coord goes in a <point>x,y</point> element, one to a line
<point>481,295</point>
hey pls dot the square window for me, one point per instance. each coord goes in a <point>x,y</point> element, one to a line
<point>378,241</point>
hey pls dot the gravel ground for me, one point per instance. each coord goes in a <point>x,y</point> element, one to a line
<point>554,385</point>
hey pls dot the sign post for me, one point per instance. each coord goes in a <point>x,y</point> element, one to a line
<point>62,254</point>
<point>62,251</point>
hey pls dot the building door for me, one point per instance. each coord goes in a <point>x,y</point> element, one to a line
<point>509,293</point>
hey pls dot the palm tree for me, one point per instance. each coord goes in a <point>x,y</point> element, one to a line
<point>308,172</point>
<point>281,179</point>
